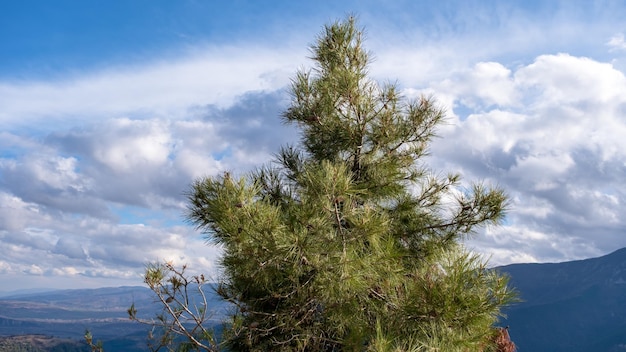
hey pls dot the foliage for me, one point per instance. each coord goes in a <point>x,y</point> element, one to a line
<point>94,346</point>
<point>348,241</point>
<point>184,314</point>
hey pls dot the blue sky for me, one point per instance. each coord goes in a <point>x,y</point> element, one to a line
<point>110,109</point>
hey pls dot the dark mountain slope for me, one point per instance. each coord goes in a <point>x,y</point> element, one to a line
<point>571,306</point>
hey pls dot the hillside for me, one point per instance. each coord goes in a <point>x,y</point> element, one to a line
<point>572,306</point>
<point>68,313</point>
<point>40,343</point>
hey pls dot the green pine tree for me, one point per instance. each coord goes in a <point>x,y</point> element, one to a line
<point>348,241</point>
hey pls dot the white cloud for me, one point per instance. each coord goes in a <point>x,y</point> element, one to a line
<point>127,145</point>
<point>15,213</point>
<point>520,128</point>
<point>100,249</point>
<point>212,76</point>
<point>617,42</point>
<point>93,167</point>
<point>559,154</point>
<point>487,84</point>
<point>573,80</point>
<point>34,270</point>
<point>68,196</point>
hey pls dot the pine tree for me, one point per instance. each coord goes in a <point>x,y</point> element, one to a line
<point>348,241</point>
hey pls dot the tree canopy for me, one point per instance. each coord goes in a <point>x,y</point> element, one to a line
<point>348,240</point>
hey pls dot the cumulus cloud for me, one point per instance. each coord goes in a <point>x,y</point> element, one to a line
<point>90,200</point>
<point>94,166</point>
<point>560,156</point>
<point>101,199</point>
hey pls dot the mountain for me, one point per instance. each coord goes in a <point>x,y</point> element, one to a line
<point>576,306</point>
<point>66,314</point>
<point>24,292</point>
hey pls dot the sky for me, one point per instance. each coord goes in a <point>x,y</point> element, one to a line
<point>109,110</point>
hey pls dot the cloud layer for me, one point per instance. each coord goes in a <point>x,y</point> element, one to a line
<point>94,166</point>
<point>101,199</point>
<point>551,133</point>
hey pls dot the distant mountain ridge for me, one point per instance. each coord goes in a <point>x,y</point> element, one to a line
<point>575,306</point>
<point>18,293</point>
<point>67,314</point>
<point>106,298</point>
